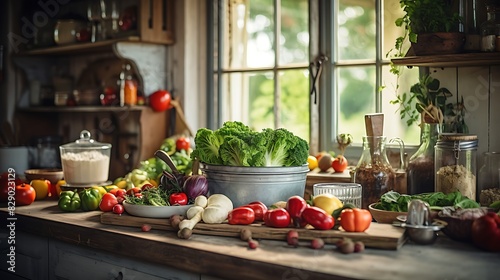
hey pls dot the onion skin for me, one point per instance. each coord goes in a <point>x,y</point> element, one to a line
<point>195,186</point>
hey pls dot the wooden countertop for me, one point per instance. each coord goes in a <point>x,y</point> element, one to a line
<point>227,257</point>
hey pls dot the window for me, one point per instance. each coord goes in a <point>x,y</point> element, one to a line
<point>260,75</point>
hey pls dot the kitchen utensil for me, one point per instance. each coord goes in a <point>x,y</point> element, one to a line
<point>15,158</point>
<point>345,192</point>
<point>383,216</point>
<point>420,227</point>
<point>85,161</point>
<point>53,175</point>
<point>374,126</point>
<point>66,30</point>
<point>150,211</point>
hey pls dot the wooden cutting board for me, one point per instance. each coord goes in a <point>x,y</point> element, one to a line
<point>381,236</point>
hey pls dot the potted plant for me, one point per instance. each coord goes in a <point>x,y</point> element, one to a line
<point>431,26</point>
<point>426,101</point>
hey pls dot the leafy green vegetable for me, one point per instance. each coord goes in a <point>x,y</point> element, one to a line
<point>394,201</point>
<point>235,144</point>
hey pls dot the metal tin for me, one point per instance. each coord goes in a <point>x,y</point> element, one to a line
<point>246,184</point>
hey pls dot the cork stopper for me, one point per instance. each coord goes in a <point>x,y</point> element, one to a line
<point>457,137</point>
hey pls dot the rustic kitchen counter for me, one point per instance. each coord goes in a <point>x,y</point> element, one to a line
<point>225,257</point>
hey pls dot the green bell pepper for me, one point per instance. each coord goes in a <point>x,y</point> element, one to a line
<point>69,201</point>
<point>90,199</point>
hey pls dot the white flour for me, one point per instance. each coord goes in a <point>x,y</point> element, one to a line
<point>85,167</point>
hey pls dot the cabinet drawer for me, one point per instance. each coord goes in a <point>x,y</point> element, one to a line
<point>73,262</point>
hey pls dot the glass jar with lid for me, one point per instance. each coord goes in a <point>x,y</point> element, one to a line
<point>85,161</point>
<point>455,164</point>
<point>488,187</point>
<point>373,171</point>
<point>490,30</point>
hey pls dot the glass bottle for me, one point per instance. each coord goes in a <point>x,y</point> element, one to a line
<point>455,164</point>
<point>373,171</point>
<point>420,170</point>
<point>488,189</point>
<point>130,89</point>
<point>490,30</point>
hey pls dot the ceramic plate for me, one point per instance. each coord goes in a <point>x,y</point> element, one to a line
<point>149,211</point>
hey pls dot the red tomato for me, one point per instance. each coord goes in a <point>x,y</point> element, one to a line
<point>178,199</point>
<point>295,206</point>
<point>318,218</point>
<point>355,220</point>
<point>118,209</point>
<point>182,143</point>
<point>259,210</point>
<point>241,216</point>
<point>108,200</point>
<point>8,182</point>
<point>160,100</point>
<point>25,194</point>
<point>339,163</point>
<point>486,232</point>
<point>278,218</point>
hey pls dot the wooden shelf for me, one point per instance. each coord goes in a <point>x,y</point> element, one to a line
<point>82,109</point>
<point>451,60</point>
<point>79,48</point>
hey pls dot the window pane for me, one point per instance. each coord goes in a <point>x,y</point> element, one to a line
<point>357,32</point>
<point>395,126</point>
<point>294,105</point>
<point>357,97</point>
<point>248,34</point>
<point>392,11</point>
<point>294,37</point>
<point>249,98</point>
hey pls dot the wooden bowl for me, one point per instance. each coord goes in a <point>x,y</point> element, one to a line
<point>53,175</point>
<point>384,217</point>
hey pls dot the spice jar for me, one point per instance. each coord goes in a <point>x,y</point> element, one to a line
<point>420,170</point>
<point>490,29</point>
<point>373,171</point>
<point>488,188</point>
<point>455,164</point>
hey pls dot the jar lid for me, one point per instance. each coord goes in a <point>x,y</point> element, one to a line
<point>85,142</point>
<point>458,140</point>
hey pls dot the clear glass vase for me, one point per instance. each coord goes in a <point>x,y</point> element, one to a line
<point>373,171</point>
<point>420,170</point>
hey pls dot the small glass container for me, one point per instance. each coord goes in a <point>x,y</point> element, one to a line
<point>345,192</point>
<point>85,161</point>
<point>488,187</point>
<point>373,172</point>
<point>455,164</point>
<point>420,170</point>
<point>490,29</point>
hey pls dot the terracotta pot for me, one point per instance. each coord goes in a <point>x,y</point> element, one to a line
<point>439,43</point>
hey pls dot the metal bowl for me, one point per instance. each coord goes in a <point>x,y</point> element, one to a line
<point>246,184</point>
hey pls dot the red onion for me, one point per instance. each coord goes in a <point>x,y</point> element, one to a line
<point>195,185</point>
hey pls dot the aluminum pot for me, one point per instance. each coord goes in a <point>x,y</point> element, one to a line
<point>246,184</point>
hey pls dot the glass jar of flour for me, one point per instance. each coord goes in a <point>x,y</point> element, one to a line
<point>85,161</point>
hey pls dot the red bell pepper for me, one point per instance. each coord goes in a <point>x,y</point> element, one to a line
<point>295,206</point>
<point>486,232</point>
<point>241,216</point>
<point>355,220</point>
<point>278,218</point>
<point>318,218</point>
<point>259,209</point>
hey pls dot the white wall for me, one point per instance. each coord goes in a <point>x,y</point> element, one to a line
<point>480,87</point>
